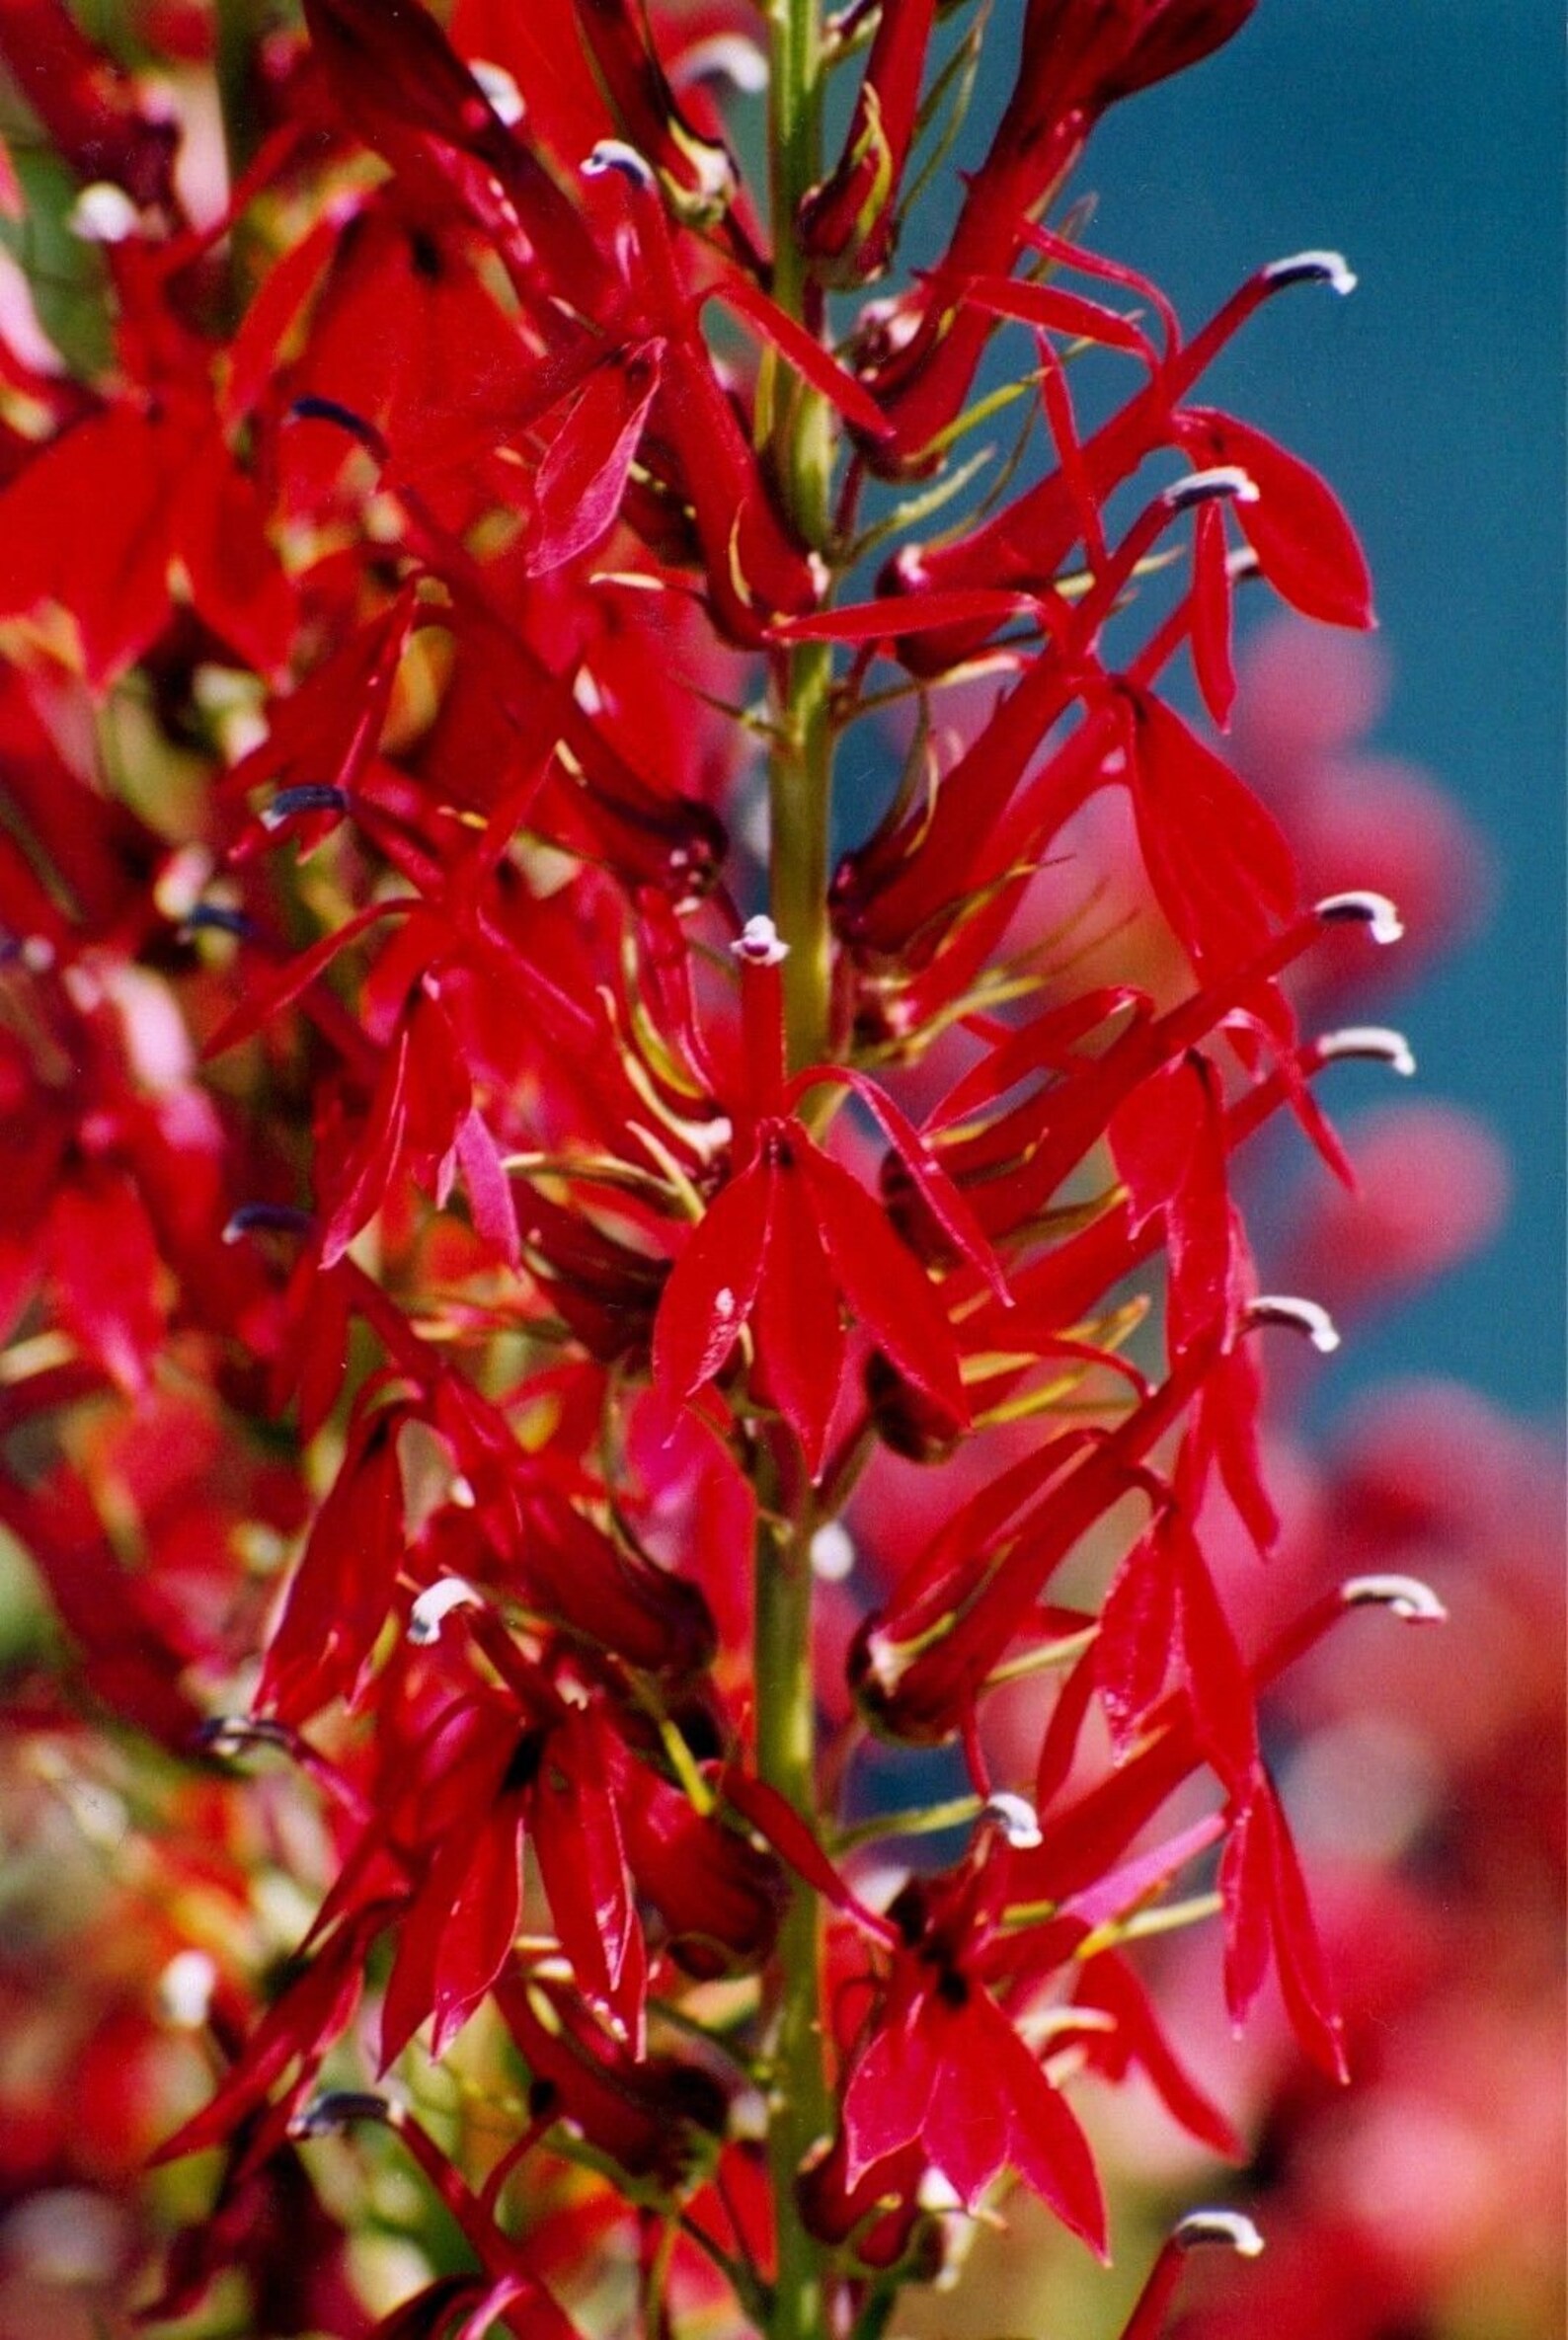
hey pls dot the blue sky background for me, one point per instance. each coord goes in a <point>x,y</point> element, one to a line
<point>1425,139</point>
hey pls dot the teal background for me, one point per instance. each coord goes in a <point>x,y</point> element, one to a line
<point>1426,142</point>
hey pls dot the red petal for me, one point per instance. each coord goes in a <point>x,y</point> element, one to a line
<point>1046,2145</point>
<point>1110,1984</point>
<point>805,355</point>
<point>576,1838</point>
<point>891,1294</point>
<point>936,1190</point>
<point>106,1275</point>
<point>1245,1888</point>
<point>893,2087</point>
<point>1135,1646</point>
<point>87,524</point>
<point>713,1285</point>
<point>799,1323</point>
<point>580,482</point>
<point>1212,614</point>
<point>1217,1677</point>
<point>1299,529</point>
<point>1053,310</point>
<point>298,975</point>
<point>237,583</point>
<point>1221,868</point>
<point>907,613</point>
<point>1299,1954</point>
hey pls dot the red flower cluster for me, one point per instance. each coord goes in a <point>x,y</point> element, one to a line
<point>475,492</point>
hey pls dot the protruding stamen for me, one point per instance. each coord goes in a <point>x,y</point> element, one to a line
<point>1229,2227</point>
<point>1243,565</point>
<point>1375,912</point>
<point>436,1604</point>
<point>1015,1816</point>
<point>339,2109</point>
<point>1222,480</point>
<point>1312,268</point>
<point>1302,1316</point>
<point>761,944</point>
<point>1409,1599</point>
<point>311,796</point>
<point>725,56</point>
<point>269,1219</point>
<point>235,1734</point>
<point>1380,1044</point>
<point>832,1553</point>
<point>311,409</point>
<point>616,154</point>
<point>214,917</point>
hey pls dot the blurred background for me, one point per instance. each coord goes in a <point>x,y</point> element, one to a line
<point>1425,143</point>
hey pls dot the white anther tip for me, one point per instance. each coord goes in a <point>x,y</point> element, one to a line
<point>1314,268</point>
<point>1409,1599</point>
<point>832,1553</point>
<point>1227,2227</point>
<point>616,154</point>
<point>506,99</point>
<point>436,1604</point>
<point>1016,1818</point>
<point>1378,1044</point>
<point>761,944</point>
<point>103,213</point>
<point>1300,1317</point>
<point>1226,480</point>
<point>1362,908</point>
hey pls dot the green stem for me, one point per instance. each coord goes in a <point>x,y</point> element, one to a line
<point>800,814</point>
<point>799,450</point>
<point>800,770</point>
<point>239,28</point>
<point>797,2106</point>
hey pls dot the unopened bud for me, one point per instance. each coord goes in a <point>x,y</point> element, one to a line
<point>1377,1043</point>
<point>1312,268</point>
<point>1406,1596</point>
<point>1229,2227</point>
<point>1375,912</point>
<point>1301,1316</point>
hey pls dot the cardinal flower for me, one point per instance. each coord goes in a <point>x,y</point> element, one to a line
<point>793,1239</point>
